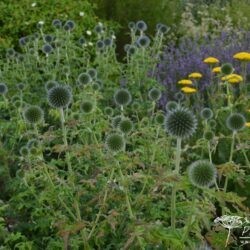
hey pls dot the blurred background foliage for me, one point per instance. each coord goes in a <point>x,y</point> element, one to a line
<point>186,17</point>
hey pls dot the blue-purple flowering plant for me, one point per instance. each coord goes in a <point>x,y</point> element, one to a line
<point>178,61</point>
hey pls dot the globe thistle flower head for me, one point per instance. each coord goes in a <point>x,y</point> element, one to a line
<point>71,24</point>
<point>50,84</point>
<point>207,113</point>
<point>59,96</point>
<point>125,125</point>
<point>98,28</point>
<point>84,78</point>
<point>135,106</point>
<point>202,174</point>
<point>122,97</point>
<point>20,86</point>
<point>131,50</point>
<point>47,49</point>
<point>56,23</point>
<point>154,94</point>
<point>10,53</point>
<point>108,111</point>
<point>66,27</point>
<point>92,72</point>
<point>143,41</point>
<point>87,106</point>
<point>159,118</point>
<point>33,114</point>
<point>23,41</point>
<point>235,122</point>
<point>96,86</point>
<point>33,151</point>
<point>115,142</point>
<point>227,69</point>
<point>212,123</point>
<point>180,123</point>
<point>3,89</point>
<point>171,105</point>
<point>24,151</point>
<point>108,42</point>
<point>48,38</point>
<point>162,28</point>
<point>116,121</point>
<point>179,96</point>
<point>100,45</point>
<point>131,25</point>
<point>17,104</point>
<point>82,41</point>
<point>141,25</point>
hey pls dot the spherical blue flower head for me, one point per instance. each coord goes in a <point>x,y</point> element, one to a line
<point>143,41</point>
<point>100,45</point>
<point>180,123</point>
<point>115,142</point>
<point>3,89</point>
<point>131,25</point>
<point>235,122</point>
<point>33,114</point>
<point>141,26</point>
<point>59,96</point>
<point>202,173</point>
<point>70,24</point>
<point>47,49</point>
<point>56,23</point>
<point>122,97</point>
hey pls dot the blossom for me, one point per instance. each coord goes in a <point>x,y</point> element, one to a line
<point>242,56</point>
<point>232,78</point>
<point>195,75</point>
<point>33,4</point>
<point>81,13</point>
<point>216,70</point>
<point>189,90</point>
<point>88,32</point>
<point>185,82</point>
<point>41,22</point>
<point>211,60</point>
<point>247,124</point>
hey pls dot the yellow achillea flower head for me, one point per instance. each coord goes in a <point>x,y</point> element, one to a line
<point>216,70</point>
<point>232,78</point>
<point>185,82</point>
<point>211,60</point>
<point>242,56</point>
<point>247,124</point>
<point>188,90</point>
<point>195,75</point>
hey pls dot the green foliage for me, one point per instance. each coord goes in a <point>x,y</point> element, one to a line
<point>19,18</point>
<point>104,179</point>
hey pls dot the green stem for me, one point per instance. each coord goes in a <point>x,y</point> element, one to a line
<point>174,189</point>
<point>63,127</point>
<point>154,149</point>
<point>209,151</point>
<point>244,152</point>
<point>230,158</point>
<point>228,236</point>
<point>103,204</point>
<point>131,215</point>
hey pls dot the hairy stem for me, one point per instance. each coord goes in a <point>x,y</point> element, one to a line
<point>174,189</point>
